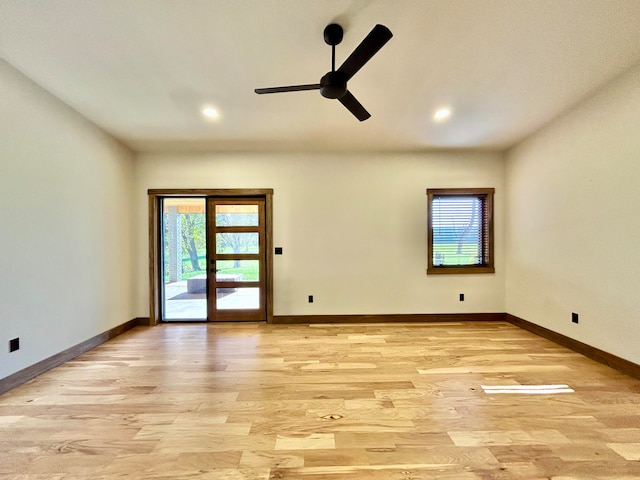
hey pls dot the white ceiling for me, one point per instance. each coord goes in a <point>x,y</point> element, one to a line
<point>141,69</point>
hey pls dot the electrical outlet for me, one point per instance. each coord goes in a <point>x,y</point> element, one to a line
<point>14,344</point>
<point>462,297</point>
<point>574,318</point>
<point>310,298</point>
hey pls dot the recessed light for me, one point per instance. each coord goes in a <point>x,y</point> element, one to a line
<point>441,114</point>
<point>209,112</point>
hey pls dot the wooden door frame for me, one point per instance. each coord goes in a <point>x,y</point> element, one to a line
<point>155,238</point>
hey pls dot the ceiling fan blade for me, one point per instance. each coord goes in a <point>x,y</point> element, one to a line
<point>367,49</point>
<point>291,88</point>
<point>354,106</point>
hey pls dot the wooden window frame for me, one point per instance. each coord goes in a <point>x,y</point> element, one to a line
<point>486,194</point>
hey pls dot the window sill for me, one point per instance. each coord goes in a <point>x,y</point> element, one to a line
<point>459,270</point>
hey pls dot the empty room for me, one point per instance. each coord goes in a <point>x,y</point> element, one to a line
<point>313,240</point>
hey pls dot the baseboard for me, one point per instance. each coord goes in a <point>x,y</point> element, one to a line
<point>26,374</point>
<point>390,318</point>
<point>617,363</point>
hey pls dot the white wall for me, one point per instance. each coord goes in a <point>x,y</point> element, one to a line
<point>352,226</point>
<point>573,222</point>
<point>65,226</point>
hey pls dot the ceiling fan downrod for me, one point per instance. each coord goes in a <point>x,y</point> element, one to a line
<point>333,34</point>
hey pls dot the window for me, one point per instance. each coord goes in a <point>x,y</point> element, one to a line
<point>460,226</point>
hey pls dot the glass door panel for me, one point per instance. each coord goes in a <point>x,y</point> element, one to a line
<point>238,298</point>
<point>237,215</point>
<point>184,257</point>
<point>228,243</point>
<point>238,270</point>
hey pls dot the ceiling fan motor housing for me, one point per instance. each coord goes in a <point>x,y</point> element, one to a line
<point>333,85</point>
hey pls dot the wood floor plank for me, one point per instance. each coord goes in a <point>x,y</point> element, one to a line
<point>324,402</point>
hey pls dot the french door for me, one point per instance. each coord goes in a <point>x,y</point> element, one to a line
<point>236,259</point>
<point>208,256</point>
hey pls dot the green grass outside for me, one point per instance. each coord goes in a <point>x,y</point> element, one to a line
<point>248,269</point>
<point>469,255</point>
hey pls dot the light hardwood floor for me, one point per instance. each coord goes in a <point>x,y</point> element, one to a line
<point>323,402</point>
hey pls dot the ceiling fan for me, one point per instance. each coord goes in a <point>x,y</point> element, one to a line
<point>334,83</point>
